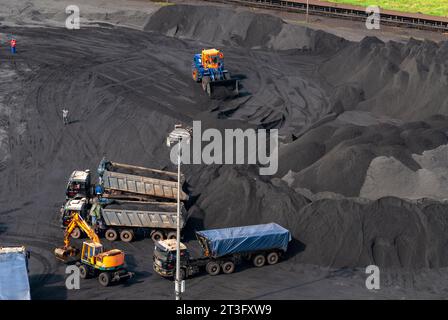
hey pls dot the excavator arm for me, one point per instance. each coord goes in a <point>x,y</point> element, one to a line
<point>67,250</point>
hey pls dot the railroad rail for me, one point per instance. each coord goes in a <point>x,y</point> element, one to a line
<point>344,11</point>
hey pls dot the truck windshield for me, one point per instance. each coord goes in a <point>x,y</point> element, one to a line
<point>161,254</point>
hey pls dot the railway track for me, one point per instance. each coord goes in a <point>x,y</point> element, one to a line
<point>356,13</point>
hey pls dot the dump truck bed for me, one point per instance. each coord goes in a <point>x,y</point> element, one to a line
<point>133,180</point>
<point>156,215</point>
<point>14,283</point>
<point>221,242</point>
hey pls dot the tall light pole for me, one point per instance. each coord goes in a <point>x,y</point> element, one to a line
<point>307,9</point>
<point>178,135</point>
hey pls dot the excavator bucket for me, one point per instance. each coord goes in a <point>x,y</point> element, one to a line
<point>222,88</point>
<point>64,253</point>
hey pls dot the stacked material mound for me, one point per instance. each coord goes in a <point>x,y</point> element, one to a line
<point>407,82</point>
<point>336,158</point>
<point>388,176</point>
<point>228,27</point>
<point>340,233</point>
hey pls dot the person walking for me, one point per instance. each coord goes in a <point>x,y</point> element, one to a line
<point>13,46</point>
<point>65,116</point>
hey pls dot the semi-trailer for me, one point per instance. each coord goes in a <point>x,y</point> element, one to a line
<point>223,249</point>
<point>14,282</point>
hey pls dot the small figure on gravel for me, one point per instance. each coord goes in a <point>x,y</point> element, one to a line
<point>13,46</point>
<point>65,116</point>
<point>95,213</point>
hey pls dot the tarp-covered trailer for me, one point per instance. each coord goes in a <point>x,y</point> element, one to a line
<point>223,249</point>
<point>221,242</point>
<point>124,181</point>
<point>158,219</point>
<point>14,283</point>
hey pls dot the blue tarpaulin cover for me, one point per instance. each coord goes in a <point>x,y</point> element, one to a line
<point>14,283</point>
<point>225,241</point>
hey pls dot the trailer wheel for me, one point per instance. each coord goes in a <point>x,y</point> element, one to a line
<point>111,234</point>
<point>212,268</point>
<point>104,279</point>
<point>83,272</point>
<point>76,233</point>
<point>156,236</point>
<point>259,260</point>
<point>272,258</point>
<point>172,235</point>
<point>228,267</point>
<point>126,235</point>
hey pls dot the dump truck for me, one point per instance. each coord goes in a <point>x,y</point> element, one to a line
<point>127,219</point>
<point>208,69</point>
<point>108,266</point>
<point>14,282</point>
<point>223,249</point>
<point>128,182</point>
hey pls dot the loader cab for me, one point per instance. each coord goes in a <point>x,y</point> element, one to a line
<point>78,185</point>
<point>212,59</point>
<point>90,250</point>
<point>71,207</point>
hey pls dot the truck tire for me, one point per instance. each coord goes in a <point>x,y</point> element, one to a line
<point>172,235</point>
<point>111,234</point>
<point>104,279</point>
<point>182,274</point>
<point>76,233</point>
<point>212,268</point>
<point>126,235</point>
<point>156,236</point>
<point>272,258</point>
<point>259,260</point>
<point>83,271</point>
<point>228,267</point>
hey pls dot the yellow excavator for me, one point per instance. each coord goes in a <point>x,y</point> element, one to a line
<point>109,266</point>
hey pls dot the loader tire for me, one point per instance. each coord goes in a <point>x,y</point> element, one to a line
<point>126,235</point>
<point>259,260</point>
<point>76,233</point>
<point>212,268</point>
<point>104,279</point>
<point>272,258</point>
<point>228,267</point>
<point>111,234</point>
<point>83,271</point>
<point>205,83</point>
<point>156,236</point>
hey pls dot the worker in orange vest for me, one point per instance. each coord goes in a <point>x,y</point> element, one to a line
<point>13,46</point>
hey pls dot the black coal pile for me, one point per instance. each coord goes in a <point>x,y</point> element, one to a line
<point>335,156</point>
<point>232,28</point>
<point>340,106</point>
<point>404,81</point>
